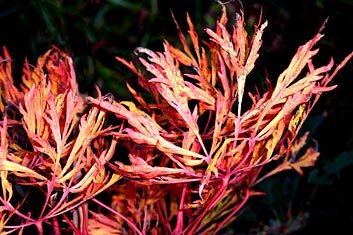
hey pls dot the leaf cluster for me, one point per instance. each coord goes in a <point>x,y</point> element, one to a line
<point>185,163</point>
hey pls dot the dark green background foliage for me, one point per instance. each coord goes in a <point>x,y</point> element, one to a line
<point>94,32</point>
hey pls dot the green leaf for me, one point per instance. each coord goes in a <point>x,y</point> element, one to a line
<point>342,161</point>
<point>331,168</point>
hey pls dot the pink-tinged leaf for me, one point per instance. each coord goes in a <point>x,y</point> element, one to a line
<point>8,67</point>
<point>224,42</point>
<point>299,61</point>
<point>273,142</point>
<point>54,122</point>
<point>101,224</point>
<point>138,96</point>
<point>140,138</point>
<point>162,144</point>
<point>180,56</point>
<point>33,110</point>
<point>8,92</point>
<point>140,167</point>
<point>43,146</point>
<point>298,144</point>
<point>240,38</point>
<point>184,43</point>
<point>223,19</point>
<point>195,93</point>
<point>307,160</point>
<point>194,37</point>
<point>95,175</point>
<point>171,86</point>
<point>130,65</point>
<point>255,47</point>
<point>168,147</point>
<point>188,161</point>
<point>189,142</point>
<point>205,74</point>
<point>222,110</point>
<point>222,75</point>
<point>4,140</point>
<point>16,168</point>
<point>74,106</point>
<point>241,85</point>
<point>340,66</point>
<point>6,186</point>
<point>139,119</point>
<point>134,119</point>
<point>82,141</point>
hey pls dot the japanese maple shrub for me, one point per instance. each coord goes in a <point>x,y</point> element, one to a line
<point>185,163</point>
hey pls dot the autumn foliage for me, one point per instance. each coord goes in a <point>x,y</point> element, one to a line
<point>185,163</point>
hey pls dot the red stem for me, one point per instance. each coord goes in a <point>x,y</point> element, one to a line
<point>221,225</point>
<point>132,225</point>
<point>180,221</point>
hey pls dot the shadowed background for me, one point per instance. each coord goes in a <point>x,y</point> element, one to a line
<point>94,32</point>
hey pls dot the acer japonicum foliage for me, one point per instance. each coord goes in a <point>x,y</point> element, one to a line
<point>185,163</point>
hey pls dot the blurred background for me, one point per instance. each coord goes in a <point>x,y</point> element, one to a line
<point>94,32</point>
